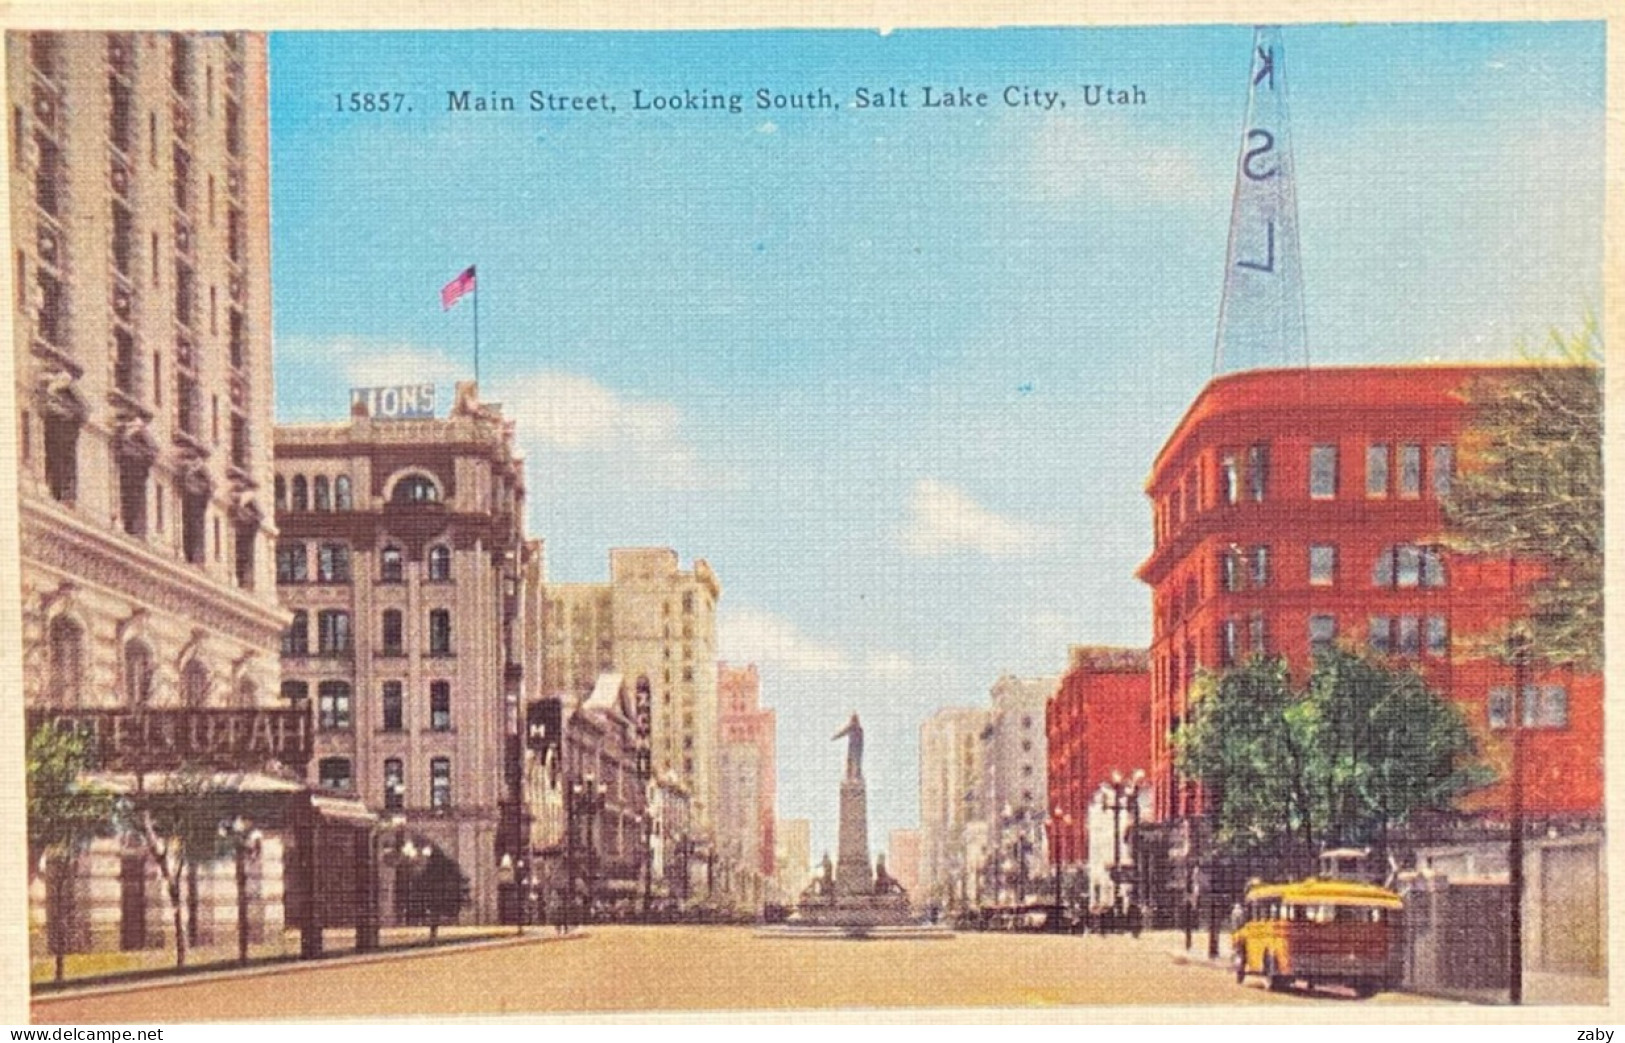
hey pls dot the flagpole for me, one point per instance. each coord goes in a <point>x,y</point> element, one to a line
<point>476,326</point>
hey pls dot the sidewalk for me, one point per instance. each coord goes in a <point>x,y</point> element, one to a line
<point>111,971</point>
<point>1540,989</point>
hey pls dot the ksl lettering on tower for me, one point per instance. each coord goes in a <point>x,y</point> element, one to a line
<point>399,402</point>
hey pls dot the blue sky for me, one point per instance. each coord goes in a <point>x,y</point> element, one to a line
<point>899,375</point>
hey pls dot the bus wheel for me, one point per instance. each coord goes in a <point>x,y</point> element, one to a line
<point>1365,989</point>
<point>1274,980</point>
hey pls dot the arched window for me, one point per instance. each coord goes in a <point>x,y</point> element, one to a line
<point>415,488</point>
<point>281,493</point>
<point>323,502</point>
<point>139,669</point>
<point>64,685</point>
<point>301,501</point>
<point>390,568</point>
<point>439,562</point>
<point>247,694</point>
<point>195,685</point>
<point>341,493</point>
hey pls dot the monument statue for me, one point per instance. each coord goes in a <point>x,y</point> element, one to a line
<point>852,895</point>
<point>854,747</point>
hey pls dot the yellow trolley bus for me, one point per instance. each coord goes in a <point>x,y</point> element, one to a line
<point>1319,932</point>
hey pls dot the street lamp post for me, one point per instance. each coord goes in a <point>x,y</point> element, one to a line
<point>416,861</point>
<point>1124,795</point>
<point>1057,835</point>
<point>585,801</point>
<point>244,841</point>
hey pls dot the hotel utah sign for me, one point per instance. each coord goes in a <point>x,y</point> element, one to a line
<point>165,740</point>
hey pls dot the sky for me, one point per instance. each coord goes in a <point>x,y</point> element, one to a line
<point>899,374</point>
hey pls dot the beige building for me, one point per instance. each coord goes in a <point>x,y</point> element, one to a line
<point>141,337</point>
<point>1015,783</point>
<point>401,555</point>
<point>951,773</point>
<point>651,620</point>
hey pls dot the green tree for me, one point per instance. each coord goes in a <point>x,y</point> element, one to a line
<point>1355,751</point>
<point>436,891</point>
<point>1530,491</point>
<point>1386,746</point>
<point>1248,741</point>
<point>64,815</point>
<point>179,827</point>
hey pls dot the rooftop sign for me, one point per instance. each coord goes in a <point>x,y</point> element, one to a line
<point>397,402</point>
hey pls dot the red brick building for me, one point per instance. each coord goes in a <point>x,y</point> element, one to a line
<point>1300,508</point>
<point>1098,722</point>
<point>749,805</point>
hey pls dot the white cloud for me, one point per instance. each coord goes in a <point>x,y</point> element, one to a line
<point>556,413</point>
<point>943,519</point>
<point>1072,159</point>
<point>773,642</point>
<point>887,664</point>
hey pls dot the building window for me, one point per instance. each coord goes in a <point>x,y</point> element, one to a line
<point>440,632</point>
<point>64,683</point>
<point>1230,569</point>
<point>415,488</point>
<point>1260,566</point>
<point>1409,640</point>
<point>1379,635</point>
<point>332,561</point>
<point>301,498</point>
<point>390,567</point>
<point>295,693</point>
<point>1442,469</point>
<point>1410,471</point>
<point>440,783</point>
<point>194,515</point>
<point>333,632</point>
<point>688,602</point>
<point>394,700</point>
<point>1438,637</point>
<point>1322,632</point>
<point>195,685</point>
<point>333,706</point>
<point>323,499</point>
<point>1407,565</point>
<point>439,563</point>
<point>1544,706</point>
<point>1227,643</point>
<point>1376,469</point>
<point>394,632</point>
<point>1322,564</point>
<point>132,480</point>
<point>291,564</point>
<point>341,494</point>
<point>440,706</point>
<point>296,639</point>
<point>1258,634</point>
<point>394,784</point>
<point>1230,478</point>
<point>334,773</point>
<point>62,458</point>
<point>139,671</point>
<point>1323,472</point>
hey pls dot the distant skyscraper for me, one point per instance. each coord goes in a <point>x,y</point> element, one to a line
<point>794,838</point>
<point>651,621</point>
<point>1261,321</point>
<point>950,799</point>
<point>744,725</point>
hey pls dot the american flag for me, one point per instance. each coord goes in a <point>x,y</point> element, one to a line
<point>456,288</point>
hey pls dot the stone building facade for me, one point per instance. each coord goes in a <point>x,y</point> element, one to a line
<point>401,555</point>
<point>747,737</point>
<point>141,338</point>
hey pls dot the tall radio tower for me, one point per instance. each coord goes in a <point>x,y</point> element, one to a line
<point>1261,322</point>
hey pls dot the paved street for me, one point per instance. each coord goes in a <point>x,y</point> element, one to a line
<point>717,969</point>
